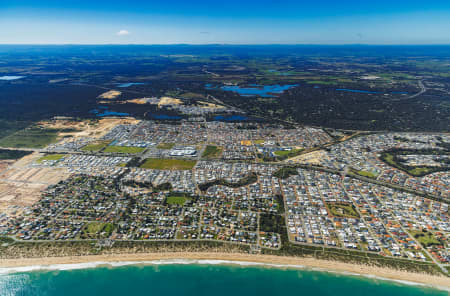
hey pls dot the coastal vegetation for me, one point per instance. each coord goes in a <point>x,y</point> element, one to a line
<point>15,250</point>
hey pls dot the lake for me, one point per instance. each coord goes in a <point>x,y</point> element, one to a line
<point>265,91</point>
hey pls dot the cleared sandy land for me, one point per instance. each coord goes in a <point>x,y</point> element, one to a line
<point>370,77</point>
<point>4,164</point>
<point>310,158</point>
<point>21,185</point>
<point>106,124</point>
<point>14,195</point>
<point>142,101</point>
<point>169,101</point>
<point>112,94</point>
<point>209,105</point>
<point>333,266</point>
<point>87,128</point>
<point>77,126</point>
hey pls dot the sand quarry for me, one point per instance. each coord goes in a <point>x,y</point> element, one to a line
<point>112,94</point>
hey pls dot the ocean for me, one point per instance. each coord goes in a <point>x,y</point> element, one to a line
<point>175,278</point>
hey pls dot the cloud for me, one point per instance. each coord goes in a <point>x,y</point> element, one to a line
<point>123,33</point>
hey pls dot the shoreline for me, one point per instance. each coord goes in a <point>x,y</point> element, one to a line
<point>439,282</point>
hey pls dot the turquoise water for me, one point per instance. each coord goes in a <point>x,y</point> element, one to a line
<point>198,280</point>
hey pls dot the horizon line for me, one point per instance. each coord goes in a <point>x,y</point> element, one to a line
<point>224,44</point>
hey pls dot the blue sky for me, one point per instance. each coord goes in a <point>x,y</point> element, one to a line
<point>231,21</point>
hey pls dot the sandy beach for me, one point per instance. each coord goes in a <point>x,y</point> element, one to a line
<point>437,281</point>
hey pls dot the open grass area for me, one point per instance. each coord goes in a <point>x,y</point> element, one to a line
<point>50,157</point>
<point>96,146</point>
<point>342,210</point>
<point>123,149</point>
<point>421,171</point>
<point>212,151</point>
<point>93,229</point>
<point>365,174</point>
<point>389,158</point>
<point>426,238</point>
<point>165,145</point>
<point>284,154</point>
<point>168,164</point>
<point>33,137</point>
<point>176,200</point>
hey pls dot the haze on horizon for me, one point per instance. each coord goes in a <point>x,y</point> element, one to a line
<point>232,22</point>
